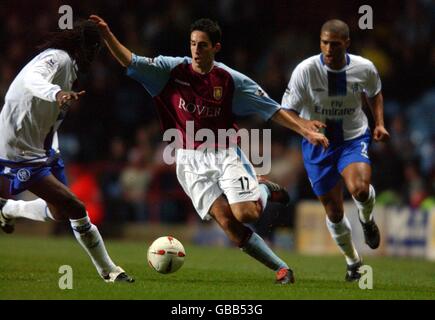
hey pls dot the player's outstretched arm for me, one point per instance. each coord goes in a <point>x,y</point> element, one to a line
<point>308,129</point>
<point>121,53</point>
<point>377,106</point>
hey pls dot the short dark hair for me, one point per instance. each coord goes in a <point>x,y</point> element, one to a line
<point>208,26</point>
<point>336,26</point>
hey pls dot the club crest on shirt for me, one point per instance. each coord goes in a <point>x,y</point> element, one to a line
<point>356,87</point>
<point>50,64</point>
<point>217,93</point>
<point>23,175</point>
<point>260,92</point>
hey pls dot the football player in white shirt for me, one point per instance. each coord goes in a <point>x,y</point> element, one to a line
<point>327,91</point>
<point>35,105</point>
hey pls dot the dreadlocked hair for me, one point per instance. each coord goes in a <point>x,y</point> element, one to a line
<point>76,41</point>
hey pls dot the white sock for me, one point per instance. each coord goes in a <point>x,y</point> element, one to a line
<point>365,208</point>
<point>259,250</point>
<point>34,210</point>
<point>89,237</point>
<point>341,233</point>
<point>264,194</point>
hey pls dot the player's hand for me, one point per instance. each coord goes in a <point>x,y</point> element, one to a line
<point>380,134</point>
<point>314,125</point>
<point>63,97</point>
<point>101,24</point>
<point>317,138</point>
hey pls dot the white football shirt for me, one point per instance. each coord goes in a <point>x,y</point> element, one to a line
<point>317,92</point>
<point>30,116</point>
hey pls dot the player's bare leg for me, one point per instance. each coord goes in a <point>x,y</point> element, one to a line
<point>246,239</point>
<point>340,230</point>
<point>357,177</point>
<point>4,187</point>
<point>250,211</point>
<point>6,224</point>
<point>57,202</point>
<point>247,212</point>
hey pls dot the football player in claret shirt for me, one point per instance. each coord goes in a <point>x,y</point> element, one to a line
<point>221,183</point>
<point>35,105</point>
<point>329,88</point>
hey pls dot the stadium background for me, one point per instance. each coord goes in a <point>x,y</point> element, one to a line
<point>111,140</point>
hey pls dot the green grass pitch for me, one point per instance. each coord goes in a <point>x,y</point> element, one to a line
<point>29,270</point>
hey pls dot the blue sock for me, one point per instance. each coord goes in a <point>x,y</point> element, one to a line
<point>264,195</point>
<point>259,250</point>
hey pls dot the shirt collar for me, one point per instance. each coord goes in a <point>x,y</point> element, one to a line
<point>329,69</point>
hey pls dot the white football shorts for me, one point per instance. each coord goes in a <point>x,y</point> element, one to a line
<point>206,174</point>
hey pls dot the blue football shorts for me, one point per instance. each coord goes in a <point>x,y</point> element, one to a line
<point>22,176</point>
<point>324,167</point>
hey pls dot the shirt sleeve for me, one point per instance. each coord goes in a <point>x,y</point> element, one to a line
<point>39,78</point>
<point>153,73</point>
<point>250,98</point>
<point>373,84</point>
<point>294,97</point>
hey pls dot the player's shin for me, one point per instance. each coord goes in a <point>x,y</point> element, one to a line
<point>341,232</point>
<point>365,208</point>
<point>259,250</point>
<point>34,210</point>
<point>90,239</point>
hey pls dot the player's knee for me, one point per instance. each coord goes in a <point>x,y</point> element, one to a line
<point>334,209</point>
<point>59,215</point>
<point>335,216</point>
<point>248,213</point>
<point>361,191</point>
<point>74,208</point>
<point>253,214</point>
